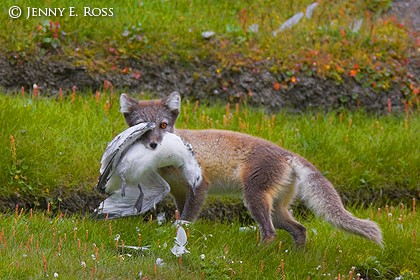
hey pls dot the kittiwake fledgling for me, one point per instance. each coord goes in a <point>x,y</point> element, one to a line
<point>129,171</point>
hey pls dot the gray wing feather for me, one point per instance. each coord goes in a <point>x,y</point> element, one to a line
<point>116,150</point>
<point>116,206</point>
<point>154,189</point>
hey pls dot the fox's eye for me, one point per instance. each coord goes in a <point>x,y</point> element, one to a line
<point>163,125</point>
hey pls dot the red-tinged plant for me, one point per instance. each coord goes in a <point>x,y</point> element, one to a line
<point>107,85</point>
<point>389,105</point>
<point>96,253</point>
<point>97,96</point>
<point>281,270</point>
<point>44,262</point>
<point>13,148</point>
<point>55,30</point>
<point>228,109</point>
<point>60,94</point>
<point>47,34</point>
<point>136,74</point>
<point>180,262</point>
<point>225,121</point>
<point>126,70</point>
<point>35,91</point>
<point>243,19</point>
<point>93,272</point>
<point>107,106</point>
<point>73,94</point>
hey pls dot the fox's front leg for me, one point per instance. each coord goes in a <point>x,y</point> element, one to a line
<point>194,202</point>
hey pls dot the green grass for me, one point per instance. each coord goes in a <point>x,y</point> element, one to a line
<point>38,245</point>
<point>57,145</point>
<point>51,147</point>
<point>323,46</point>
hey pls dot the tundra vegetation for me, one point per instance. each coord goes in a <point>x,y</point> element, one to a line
<point>337,41</point>
<point>50,147</point>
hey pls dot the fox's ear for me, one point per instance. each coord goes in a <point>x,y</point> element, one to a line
<point>127,104</point>
<point>173,102</point>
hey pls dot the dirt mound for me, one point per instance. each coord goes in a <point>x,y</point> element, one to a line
<point>200,81</point>
<point>216,208</point>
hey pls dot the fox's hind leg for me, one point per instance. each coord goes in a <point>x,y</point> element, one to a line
<point>283,219</point>
<point>258,200</point>
<point>265,179</point>
<point>259,205</point>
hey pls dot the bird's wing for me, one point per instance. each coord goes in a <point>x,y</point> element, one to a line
<point>116,150</point>
<point>154,189</point>
<point>116,206</point>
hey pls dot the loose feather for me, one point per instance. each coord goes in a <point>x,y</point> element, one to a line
<point>180,242</point>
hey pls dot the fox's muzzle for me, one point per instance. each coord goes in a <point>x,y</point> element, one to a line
<point>152,139</point>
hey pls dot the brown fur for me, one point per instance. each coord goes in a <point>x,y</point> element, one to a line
<point>271,178</point>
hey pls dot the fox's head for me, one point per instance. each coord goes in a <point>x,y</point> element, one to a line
<point>163,112</point>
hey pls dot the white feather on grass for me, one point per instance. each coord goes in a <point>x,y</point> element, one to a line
<point>180,242</point>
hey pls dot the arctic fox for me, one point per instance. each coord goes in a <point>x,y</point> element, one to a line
<point>271,177</point>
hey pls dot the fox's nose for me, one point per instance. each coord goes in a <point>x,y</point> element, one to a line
<point>153,145</point>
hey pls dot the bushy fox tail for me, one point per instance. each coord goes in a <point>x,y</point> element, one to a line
<point>320,196</point>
